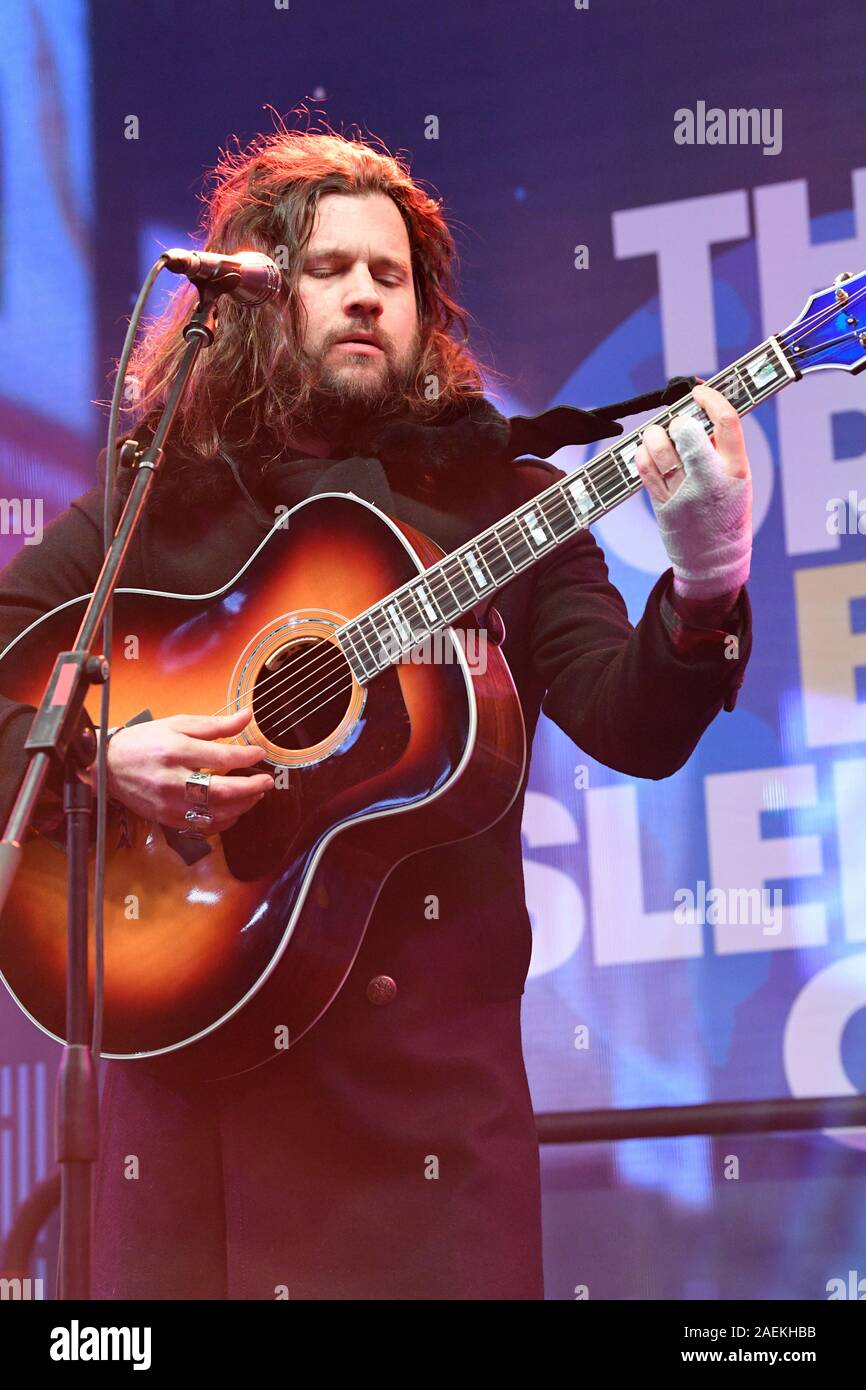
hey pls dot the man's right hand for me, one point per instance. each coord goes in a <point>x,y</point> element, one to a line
<point>148,765</point>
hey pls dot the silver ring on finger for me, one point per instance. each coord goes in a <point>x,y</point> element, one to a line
<point>198,823</point>
<point>198,789</point>
<point>676,468</point>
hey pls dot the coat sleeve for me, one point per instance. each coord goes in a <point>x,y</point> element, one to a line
<point>636,698</point>
<point>38,579</point>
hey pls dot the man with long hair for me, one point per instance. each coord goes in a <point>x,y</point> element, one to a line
<point>391,1153</point>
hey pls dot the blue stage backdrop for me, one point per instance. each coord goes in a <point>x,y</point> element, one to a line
<point>610,238</point>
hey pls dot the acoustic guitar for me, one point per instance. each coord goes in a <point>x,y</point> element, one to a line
<point>220,954</point>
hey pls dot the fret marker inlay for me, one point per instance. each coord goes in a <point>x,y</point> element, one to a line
<point>425,600</point>
<point>762,370</point>
<point>538,534</point>
<point>582,499</point>
<point>477,575</point>
<point>627,453</point>
<point>399,622</point>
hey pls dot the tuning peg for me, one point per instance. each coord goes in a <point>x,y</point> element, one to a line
<point>842,295</point>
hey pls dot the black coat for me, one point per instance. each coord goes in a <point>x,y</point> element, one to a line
<point>392,1152</point>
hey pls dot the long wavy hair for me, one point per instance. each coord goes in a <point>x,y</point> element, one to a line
<point>250,385</point>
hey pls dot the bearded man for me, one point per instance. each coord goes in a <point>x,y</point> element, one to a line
<point>391,1153</point>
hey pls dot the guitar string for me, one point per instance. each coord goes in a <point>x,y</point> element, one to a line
<point>600,478</point>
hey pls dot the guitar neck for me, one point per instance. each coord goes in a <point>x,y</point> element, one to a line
<point>388,631</point>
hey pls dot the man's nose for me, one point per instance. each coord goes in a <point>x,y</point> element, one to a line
<point>362,294</point>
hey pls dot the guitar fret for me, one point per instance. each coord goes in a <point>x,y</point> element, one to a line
<point>433,576</point>
<point>592,490</point>
<point>409,620</point>
<point>742,394</point>
<point>372,639</point>
<point>376,642</point>
<point>764,372</point>
<point>417,619</point>
<point>533,528</point>
<point>426,602</point>
<point>747,390</point>
<point>356,637</point>
<point>458,582</point>
<point>575,515</point>
<point>397,618</point>
<point>359,624</point>
<point>520,552</point>
<point>358,656</point>
<point>578,495</point>
<point>609,483</point>
<point>500,571</point>
<point>558,515</point>
<point>390,642</point>
<point>626,479</point>
<point>414,619</point>
<point>475,560</point>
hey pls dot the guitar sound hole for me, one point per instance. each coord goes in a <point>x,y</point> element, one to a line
<point>302,693</point>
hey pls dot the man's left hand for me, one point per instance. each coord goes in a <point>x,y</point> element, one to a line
<point>704,504</point>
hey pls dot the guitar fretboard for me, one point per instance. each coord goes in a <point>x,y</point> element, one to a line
<point>388,631</point>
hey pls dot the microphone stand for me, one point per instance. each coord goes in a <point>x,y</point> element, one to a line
<point>62,733</point>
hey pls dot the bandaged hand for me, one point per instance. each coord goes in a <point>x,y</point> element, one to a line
<point>704,507</point>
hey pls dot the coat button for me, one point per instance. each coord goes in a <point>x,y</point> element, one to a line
<point>381,989</point>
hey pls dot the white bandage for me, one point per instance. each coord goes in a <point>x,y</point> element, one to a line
<point>706,525</point>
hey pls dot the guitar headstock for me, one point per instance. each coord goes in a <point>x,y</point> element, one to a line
<point>831,330</point>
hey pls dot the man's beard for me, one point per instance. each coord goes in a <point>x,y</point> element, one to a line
<point>347,400</point>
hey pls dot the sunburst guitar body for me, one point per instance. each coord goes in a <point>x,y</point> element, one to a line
<point>214,964</point>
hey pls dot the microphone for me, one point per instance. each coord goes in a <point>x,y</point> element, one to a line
<point>249,277</point>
